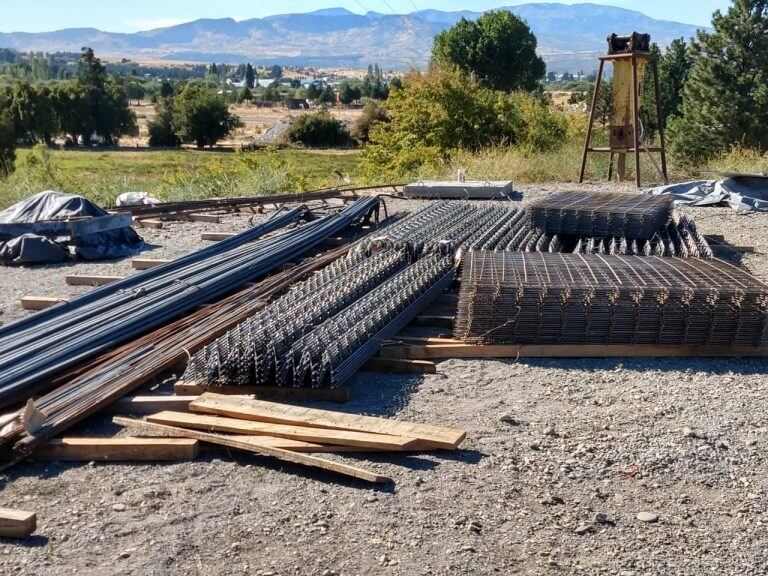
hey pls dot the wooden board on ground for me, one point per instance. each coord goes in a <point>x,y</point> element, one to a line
<point>267,392</point>
<point>40,302</point>
<point>148,223</point>
<point>212,218</point>
<point>443,350</point>
<point>428,436</point>
<point>119,449</point>
<point>217,236</point>
<point>251,446</point>
<point>17,523</point>
<point>304,433</point>
<point>147,263</point>
<point>396,366</point>
<point>143,405</point>
<point>78,280</point>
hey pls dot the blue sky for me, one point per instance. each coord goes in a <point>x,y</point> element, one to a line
<point>122,16</point>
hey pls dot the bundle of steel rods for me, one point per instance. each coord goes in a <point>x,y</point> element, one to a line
<point>83,391</point>
<point>332,352</point>
<point>255,352</point>
<point>37,348</point>
<point>538,298</point>
<point>602,215</point>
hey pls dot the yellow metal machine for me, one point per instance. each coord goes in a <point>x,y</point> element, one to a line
<point>630,55</point>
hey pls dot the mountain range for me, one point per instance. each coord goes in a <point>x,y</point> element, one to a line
<point>570,37</point>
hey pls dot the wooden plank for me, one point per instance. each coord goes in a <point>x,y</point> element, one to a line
<point>147,263</point>
<point>461,350</point>
<point>238,407</point>
<point>217,236</point>
<point>149,223</point>
<point>212,218</point>
<point>39,302</point>
<point>299,445</point>
<point>143,405</point>
<point>400,366</point>
<point>78,280</point>
<point>338,395</point>
<point>17,523</point>
<point>251,446</point>
<point>304,433</point>
<point>119,449</point>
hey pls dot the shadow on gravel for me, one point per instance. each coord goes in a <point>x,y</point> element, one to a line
<point>35,541</point>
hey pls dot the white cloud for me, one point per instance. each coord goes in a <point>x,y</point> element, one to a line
<point>151,23</point>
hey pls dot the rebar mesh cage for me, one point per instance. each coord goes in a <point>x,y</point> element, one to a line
<point>637,216</point>
<point>541,298</point>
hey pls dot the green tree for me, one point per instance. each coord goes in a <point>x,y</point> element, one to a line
<point>200,116</point>
<point>161,131</point>
<point>499,48</point>
<point>674,68</point>
<point>272,92</point>
<point>7,144</point>
<point>314,91</point>
<point>318,130</point>
<point>250,76</point>
<point>32,112</point>
<point>246,95</point>
<point>348,92</point>
<point>166,89</point>
<point>725,100</point>
<point>373,113</point>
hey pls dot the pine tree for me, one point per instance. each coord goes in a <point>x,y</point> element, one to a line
<point>725,100</point>
<point>250,76</point>
<point>674,69</point>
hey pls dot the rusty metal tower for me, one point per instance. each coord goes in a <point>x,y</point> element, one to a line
<point>629,55</point>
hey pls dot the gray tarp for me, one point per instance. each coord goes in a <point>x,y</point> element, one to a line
<point>50,205</point>
<point>742,193</point>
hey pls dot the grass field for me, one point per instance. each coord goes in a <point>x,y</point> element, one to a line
<point>188,174</point>
<point>174,174</point>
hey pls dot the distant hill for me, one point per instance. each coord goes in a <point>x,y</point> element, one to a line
<point>570,37</point>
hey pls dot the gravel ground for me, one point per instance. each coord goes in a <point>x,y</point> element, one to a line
<point>620,466</point>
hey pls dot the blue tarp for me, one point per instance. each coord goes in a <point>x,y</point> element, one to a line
<point>743,194</point>
<point>31,248</point>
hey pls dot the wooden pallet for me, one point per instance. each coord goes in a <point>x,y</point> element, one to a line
<point>442,348</point>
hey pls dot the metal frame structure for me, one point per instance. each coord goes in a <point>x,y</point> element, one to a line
<point>638,144</point>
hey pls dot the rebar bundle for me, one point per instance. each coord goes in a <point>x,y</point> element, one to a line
<point>38,347</point>
<point>538,298</point>
<point>254,352</point>
<point>335,350</point>
<point>82,391</point>
<point>602,215</point>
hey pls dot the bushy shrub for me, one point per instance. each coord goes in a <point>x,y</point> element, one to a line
<point>318,130</point>
<point>445,109</point>
<point>7,145</point>
<point>373,113</point>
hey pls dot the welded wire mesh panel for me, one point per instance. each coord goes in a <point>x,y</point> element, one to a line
<point>334,350</point>
<point>254,352</point>
<point>542,298</point>
<point>602,215</point>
